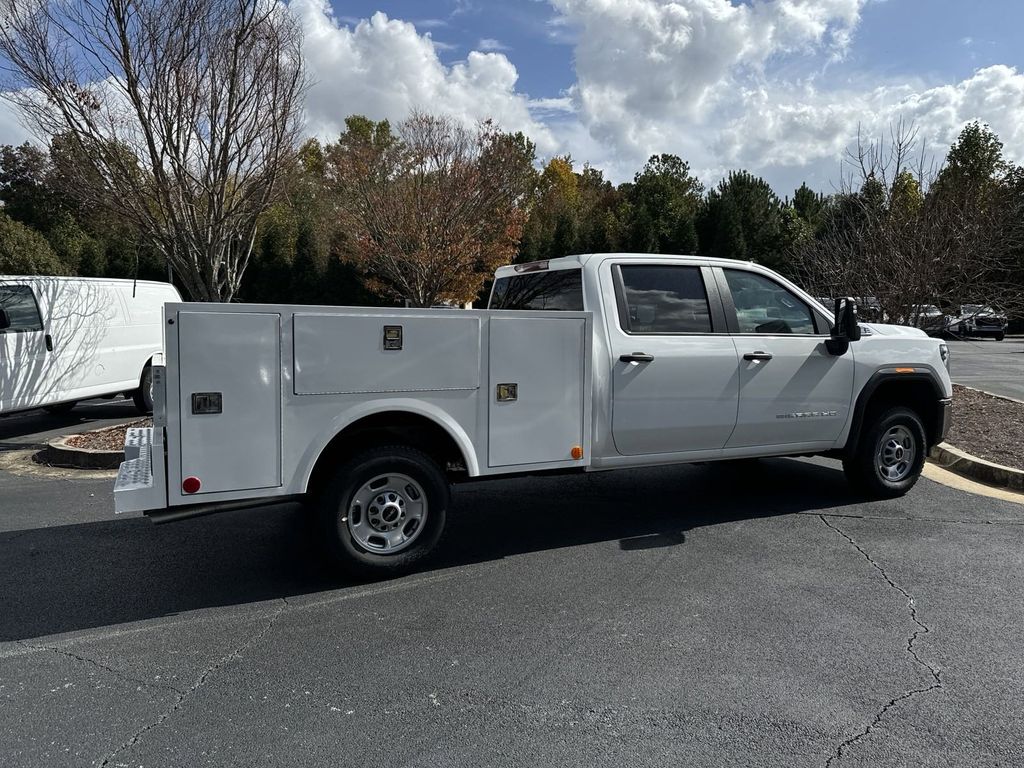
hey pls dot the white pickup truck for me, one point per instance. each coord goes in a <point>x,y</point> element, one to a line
<point>585,363</point>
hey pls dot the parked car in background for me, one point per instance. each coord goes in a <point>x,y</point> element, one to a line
<point>977,320</point>
<point>929,318</point>
<point>65,339</point>
<point>869,309</point>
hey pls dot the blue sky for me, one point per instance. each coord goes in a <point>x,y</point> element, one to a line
<point>777,87</point>
<point>935,40</point>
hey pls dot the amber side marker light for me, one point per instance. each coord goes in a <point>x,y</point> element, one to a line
<point>904,370</point>
<point>576,452</point>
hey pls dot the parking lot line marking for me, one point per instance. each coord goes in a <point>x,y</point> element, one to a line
<point>960,483</point>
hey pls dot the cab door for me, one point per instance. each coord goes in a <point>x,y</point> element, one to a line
<point>675,378</point>
<point>791,390</point>
<point>24,358</point>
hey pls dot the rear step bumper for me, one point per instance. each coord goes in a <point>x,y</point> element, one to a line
<point>141,484</point>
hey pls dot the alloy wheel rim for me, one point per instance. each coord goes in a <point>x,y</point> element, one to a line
<point>896,453</point>
<point>387,513</point>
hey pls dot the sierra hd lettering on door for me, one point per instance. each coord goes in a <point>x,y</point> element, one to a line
<point>674,373</point>
<point>791,389</point>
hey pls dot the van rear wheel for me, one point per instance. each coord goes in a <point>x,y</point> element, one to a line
<point>143,396</point>
<point>889,456</point>
<point>383,512</point>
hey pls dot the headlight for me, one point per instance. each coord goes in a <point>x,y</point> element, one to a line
<point>944,354</point>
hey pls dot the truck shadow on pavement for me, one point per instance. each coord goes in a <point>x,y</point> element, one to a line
<point>73,577</point>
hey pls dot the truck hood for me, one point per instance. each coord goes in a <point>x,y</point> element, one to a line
<point>883,329</point>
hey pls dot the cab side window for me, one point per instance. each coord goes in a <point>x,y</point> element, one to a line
<point>20,305</point>
<point>764,306</point>
<point>663,299</point>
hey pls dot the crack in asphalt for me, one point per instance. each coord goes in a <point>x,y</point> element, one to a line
<point>850,516</point>
<point>922,629</point>
<point>199,683</point>
<point>99,665</point>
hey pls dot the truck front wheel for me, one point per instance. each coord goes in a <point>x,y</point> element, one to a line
<point>383,512</point>
<point>889,455</point>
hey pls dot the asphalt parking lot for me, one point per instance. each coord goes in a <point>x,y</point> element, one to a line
<point>994,366</point>
<point>30,428</point>
<point>719,615</point>
<point>699,616</point>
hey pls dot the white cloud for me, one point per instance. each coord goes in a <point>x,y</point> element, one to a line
<point>384,68</point>
<point>726,84</point>
<point>12,131</point>
<point>722,83</point>
<point>648,69</point>
<point>491,44</point>
<point>780,128</point>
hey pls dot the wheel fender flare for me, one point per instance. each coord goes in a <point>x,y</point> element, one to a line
<point>878,378</point>
<point>400,405</point>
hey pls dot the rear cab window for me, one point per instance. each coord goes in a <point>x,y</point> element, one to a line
<point>662,299</point>
<point>19,303</point>
<point>558,289</point>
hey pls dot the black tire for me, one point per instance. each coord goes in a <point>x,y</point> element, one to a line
<point>334,506</point>
<point>143,396</point>
<point>864,466</point>
<point>1000,336</point>
<point>60,408</point>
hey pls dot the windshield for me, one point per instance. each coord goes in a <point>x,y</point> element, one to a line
<point>976,309</point>
<point>560,289</point>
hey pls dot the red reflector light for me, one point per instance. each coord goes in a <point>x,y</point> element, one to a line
<point>190,484</point>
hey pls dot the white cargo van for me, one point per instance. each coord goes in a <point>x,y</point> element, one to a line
<point>65,339</point>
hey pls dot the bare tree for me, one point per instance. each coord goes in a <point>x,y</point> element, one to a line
<point>431,211</point>
<point>179,115</point>
<point>903,233</point>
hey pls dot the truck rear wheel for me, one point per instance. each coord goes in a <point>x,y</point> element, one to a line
<point>383,512</point>
<point>889,455</point>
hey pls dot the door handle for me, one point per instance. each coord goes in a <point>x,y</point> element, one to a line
<point>49,343</point>
<point>758,355</point>
<point>636,357</point>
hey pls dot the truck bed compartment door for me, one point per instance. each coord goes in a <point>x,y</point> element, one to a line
<point>230,399</point>
<point>536,394</point>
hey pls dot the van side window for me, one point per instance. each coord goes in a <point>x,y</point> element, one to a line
<point>663,299</point>
<point>20,305</point>
<point>764,306</point>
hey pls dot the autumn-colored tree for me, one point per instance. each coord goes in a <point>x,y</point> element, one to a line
<point>433,208</point>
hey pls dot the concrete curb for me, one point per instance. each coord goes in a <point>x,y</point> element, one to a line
<point>58,453</point>
<point>955,460</point>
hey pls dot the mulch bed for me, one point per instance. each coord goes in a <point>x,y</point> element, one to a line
<point>988,427</point>
<point>109,439</point>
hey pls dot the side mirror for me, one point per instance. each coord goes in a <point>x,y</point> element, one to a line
<point>846,327</point>
<point>5,320</point>
<point>851,323</point>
